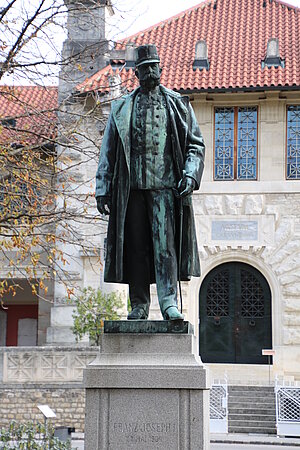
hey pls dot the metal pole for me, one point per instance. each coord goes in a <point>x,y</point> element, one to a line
<point>179,256</point>
<point>180,249</point>
<point>45,443</point>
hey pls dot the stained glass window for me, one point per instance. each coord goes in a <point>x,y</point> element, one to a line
<point>224,143</point>
<point>236,143</point>
<point>293,142</point>
<point>247,142</point>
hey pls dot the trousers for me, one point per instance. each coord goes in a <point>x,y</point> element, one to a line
<point>150,238</point>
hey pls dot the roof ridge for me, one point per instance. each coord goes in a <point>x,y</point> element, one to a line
<point>287,4</point>
<point>182,13</point>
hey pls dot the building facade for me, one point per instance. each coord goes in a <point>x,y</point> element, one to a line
<point>241,77</point>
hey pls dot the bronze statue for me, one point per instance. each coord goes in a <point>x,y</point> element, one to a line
<point>151,160</point>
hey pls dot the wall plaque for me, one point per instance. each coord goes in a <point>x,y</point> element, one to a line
<point>234,230</point>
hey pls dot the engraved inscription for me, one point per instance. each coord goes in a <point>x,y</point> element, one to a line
<point>144,432</point>
<point>145,419</point>
<point>234,230</point>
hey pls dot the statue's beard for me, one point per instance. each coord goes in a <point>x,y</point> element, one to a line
<point>150,82</point>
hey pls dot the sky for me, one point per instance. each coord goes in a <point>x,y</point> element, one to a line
<point>136,15</point>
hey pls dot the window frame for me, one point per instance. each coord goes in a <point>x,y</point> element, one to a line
<point>235,141</point>
<point>286,141</point>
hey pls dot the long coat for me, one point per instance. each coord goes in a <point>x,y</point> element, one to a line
<point>113,177</point>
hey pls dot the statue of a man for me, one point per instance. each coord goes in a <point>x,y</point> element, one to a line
<point>151,161</point>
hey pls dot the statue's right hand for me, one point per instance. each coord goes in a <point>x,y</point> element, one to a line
<point>104,204</point>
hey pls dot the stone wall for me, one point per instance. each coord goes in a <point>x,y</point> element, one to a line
<point>20,403</point>
<point>52,376</point>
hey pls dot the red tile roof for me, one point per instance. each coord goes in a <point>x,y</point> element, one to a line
<point>33,108</point>
<point>236,33</point>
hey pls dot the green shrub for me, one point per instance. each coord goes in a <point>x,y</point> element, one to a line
<point>30,436</point>
<point>92,308</point>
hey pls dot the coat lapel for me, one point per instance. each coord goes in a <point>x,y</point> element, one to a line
<point>122,112</point>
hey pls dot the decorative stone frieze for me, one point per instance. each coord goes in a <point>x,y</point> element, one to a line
<point>213,204</point>
<point>45,365</point>
<point>234,204</point>
<point>254,204</point>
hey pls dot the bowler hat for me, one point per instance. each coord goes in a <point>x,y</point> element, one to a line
<point>146,54</point>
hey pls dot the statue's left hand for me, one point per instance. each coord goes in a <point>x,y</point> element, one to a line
<point>186,186</point>
<point>104,204</point>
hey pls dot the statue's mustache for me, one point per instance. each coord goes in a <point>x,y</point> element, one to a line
<point>151,76</point>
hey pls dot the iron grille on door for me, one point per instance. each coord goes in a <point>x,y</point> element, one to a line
<point>252,296</point>
<point>217,303</point>
<point>235,315</point>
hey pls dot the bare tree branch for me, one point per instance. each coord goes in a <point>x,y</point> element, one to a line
<point>5,10</point>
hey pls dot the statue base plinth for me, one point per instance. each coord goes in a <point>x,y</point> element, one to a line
<point>148,326</point>
<point>146,390</point>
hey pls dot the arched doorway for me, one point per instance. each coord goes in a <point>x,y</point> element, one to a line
<point>235,315</point>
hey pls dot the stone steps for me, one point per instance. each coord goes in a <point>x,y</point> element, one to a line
<point>262,391</point>
<point>253,417</point>
<point>247,405</point>
<point>251,409</point>
<point>254,424</point>
<point>250,430</point>
<point>259,398</point>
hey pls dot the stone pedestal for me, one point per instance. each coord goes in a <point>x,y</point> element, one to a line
<point>146,390</point>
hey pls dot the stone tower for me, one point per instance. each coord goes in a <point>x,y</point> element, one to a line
<point>85,49</point>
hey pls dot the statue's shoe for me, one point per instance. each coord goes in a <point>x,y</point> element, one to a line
<point>137,313</point>
<point>172,313</point>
